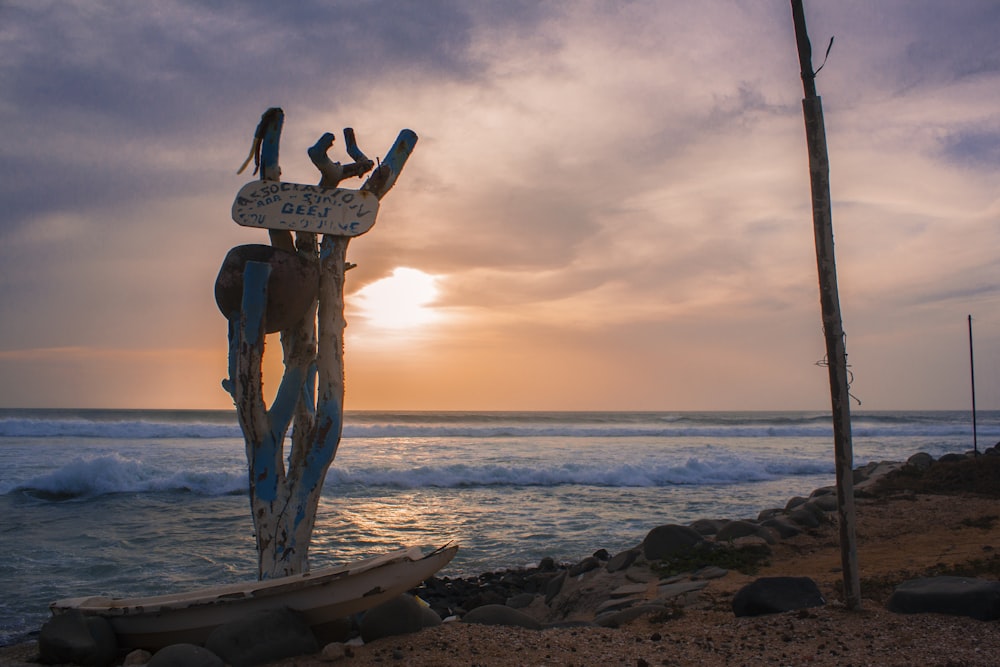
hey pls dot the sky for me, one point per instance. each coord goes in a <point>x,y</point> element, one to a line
<point>608,207</point>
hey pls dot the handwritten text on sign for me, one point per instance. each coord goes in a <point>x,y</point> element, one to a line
<point>305,208</point>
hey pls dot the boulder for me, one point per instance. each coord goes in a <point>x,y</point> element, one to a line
<point>498,614</point>
<point>735,529</point>
<point>399,616</point>
<point>708,527</point>
<point>959,596</point>
<point>185,655</point>
<point>773,595</point>
<point>783,527</point>
<point>920,461</point>
<point>670,540</point>
<point>263,636</point>
<point>586,565</point>
<point>622,561</point>
<point>825,503</point>
<point>74,638</point>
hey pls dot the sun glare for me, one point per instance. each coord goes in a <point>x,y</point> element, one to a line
<point>400,301</point>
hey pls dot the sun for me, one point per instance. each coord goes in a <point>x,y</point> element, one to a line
<point>401,300</point>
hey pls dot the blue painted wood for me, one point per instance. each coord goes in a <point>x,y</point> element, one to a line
<point>384,177</point>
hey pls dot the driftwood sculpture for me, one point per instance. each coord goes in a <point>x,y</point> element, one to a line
<point>295,286</point>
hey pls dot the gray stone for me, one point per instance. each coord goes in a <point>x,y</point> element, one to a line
<point>920,461</point>
<point>773,595</point>
<point>554,586</point>
<point>783,527</point>
<point>670,540</point>
<point>804,518</point>
<point>669,591</point>
<point>735,529</point>
<point>71,637</point>
<point>765,515</point>
<point>185,655</point>
<point>429,618</point>
<point>616,619</point>
<point>498,614</point>
<point>521,600</point>
<point>708,527</point>
<point>263,636</point>
<point>824,491</point>
<point>586,565</point>
<point>823,503</point>
<point>399,616</point>
<point>710,572</point>
<point>959,596</point>
<point>622,561</point>
<point>794,502</point>
<point>137,658</point>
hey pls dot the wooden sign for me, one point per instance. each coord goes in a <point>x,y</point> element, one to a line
<point>296,207</point>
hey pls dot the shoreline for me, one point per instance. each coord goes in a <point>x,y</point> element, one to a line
<point>906,528</point>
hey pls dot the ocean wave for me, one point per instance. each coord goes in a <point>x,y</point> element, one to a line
<point>722,426</point>
<point>84,478</point>
<point>693,471</point>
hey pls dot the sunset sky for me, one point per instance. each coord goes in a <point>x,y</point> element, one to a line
<point>608,206</point>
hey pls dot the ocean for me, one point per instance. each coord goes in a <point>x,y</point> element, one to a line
<point>129,503</point>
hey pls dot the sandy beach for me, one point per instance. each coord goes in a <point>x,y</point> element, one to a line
<point>945,524</point>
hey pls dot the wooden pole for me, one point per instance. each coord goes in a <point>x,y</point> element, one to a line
<point>819,172</point>
<point>972,377</point>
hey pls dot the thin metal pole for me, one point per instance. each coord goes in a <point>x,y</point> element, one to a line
<point>972,376</point>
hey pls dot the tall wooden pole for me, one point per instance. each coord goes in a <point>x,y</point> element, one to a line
<point>972,377</point>
<point>836,352</point>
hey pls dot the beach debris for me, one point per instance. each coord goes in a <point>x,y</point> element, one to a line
<point>774,595</point>
<point>957,596</point>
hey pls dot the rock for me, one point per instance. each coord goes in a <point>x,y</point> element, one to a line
<point>708,527</point>
<point>586,565</point>
<point>767,515</point>
<point>602,555</point>
<point>334,651</point>
<point>773,595</point>
<point>959,596</point>
<point>399,616</point>
<point>669,540</point>
<point>137,658</point>
<point>616,619</point>
<point>74,638</point>
<point>824,491</point>
<point>920,461</point>
<point>827,503</point>
<point>709,572</point>
<point>622,561</point>
<point>555,585</point>
<point>783,527</point>
<point>521,600</point>
<point>498,614</point>
<point>804,518</point>
<point>670,591</point>
<point>735,529</point>
<point>794,502</point>
<point>547,564</point>
<point>185,655</point>
<point>263,636</point>
<point>951,458</point>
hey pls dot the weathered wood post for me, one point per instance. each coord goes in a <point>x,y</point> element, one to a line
<point>260,290</point>
<point>836,352</point>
